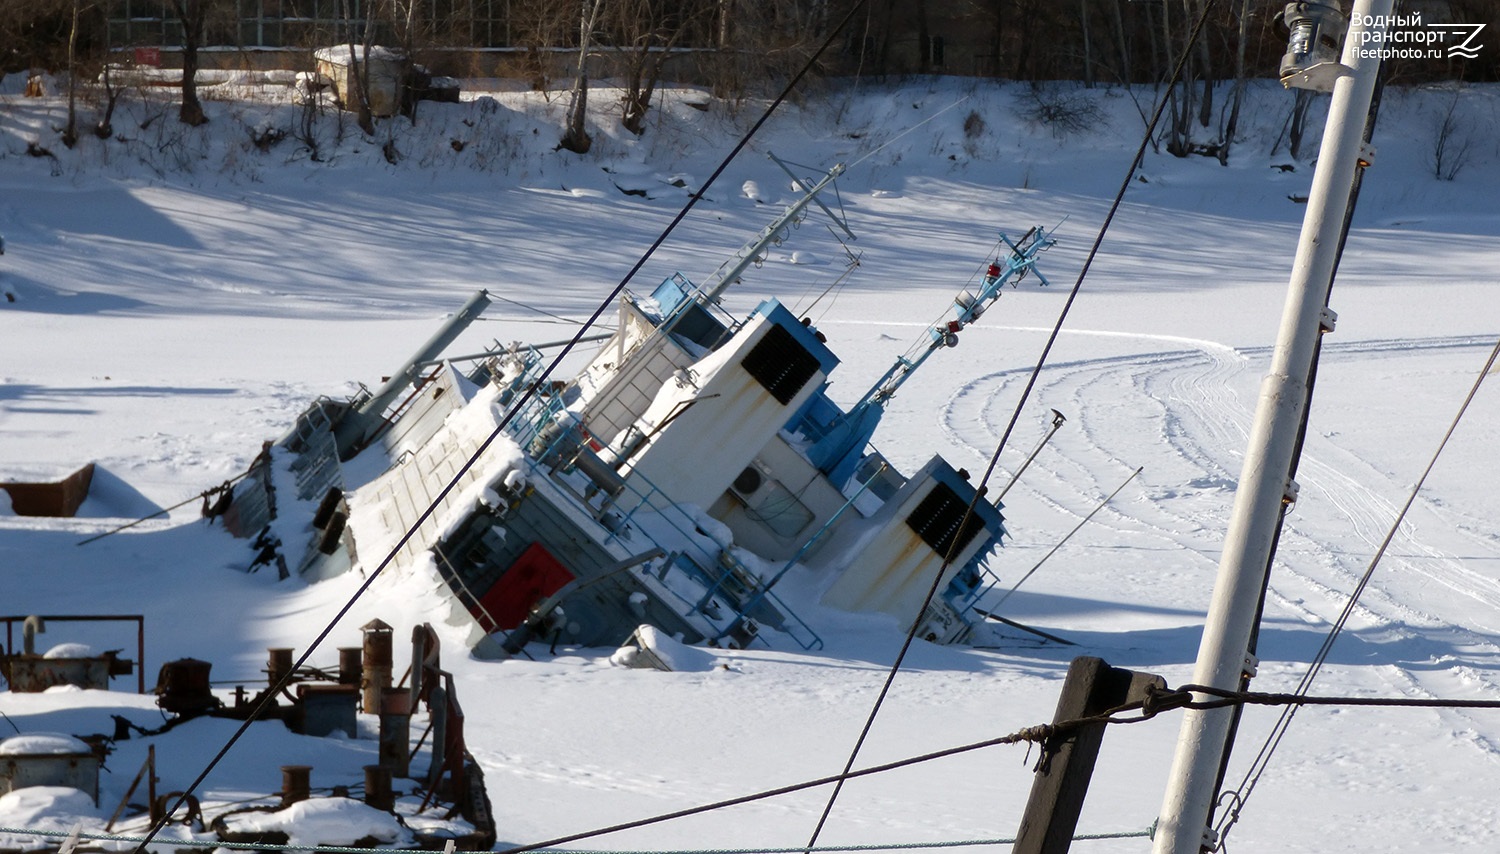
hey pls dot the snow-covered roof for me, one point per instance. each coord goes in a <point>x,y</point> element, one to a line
<point>42,744</point>
<point>340,54</point>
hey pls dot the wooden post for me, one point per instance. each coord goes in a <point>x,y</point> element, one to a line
<point>1067,761</point>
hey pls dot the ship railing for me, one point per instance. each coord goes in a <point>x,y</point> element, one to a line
<point>987,580</point>
<point>487,367</point>
<point>317,466</point>
<point>723,576</point>
<point>729,590</point>
<point>625,507</point>
<point>752,599</point>
<point>536,414</point>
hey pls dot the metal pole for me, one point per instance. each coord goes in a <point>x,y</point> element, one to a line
<point>1053,550</point>
<point>140,654</point>
<point>1057,421</point>
<point>1183,827</point>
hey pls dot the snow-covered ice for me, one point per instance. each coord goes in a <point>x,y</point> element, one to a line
<point>169,320</point>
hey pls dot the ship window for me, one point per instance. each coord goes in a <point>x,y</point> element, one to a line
<point>781,364</point>
<point>698,326</point>
<point>779,510</point>
<point>936,521</point>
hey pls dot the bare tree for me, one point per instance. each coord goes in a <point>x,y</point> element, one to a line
<point>70,130</point>
<point>1237,95</point>
<point>1122,42</point>
<point>1297,133</point>
<point>1450,145</point>
<point>575,132</point>
<point>541,27</point>
<point>414,33</point>
<point>1088,46</point>
<point>34,34</point>
<point>1195,10</point>
<point>193,15</point>
<point>359,65</point>
<point>104,128</point>
<point>645,33</point>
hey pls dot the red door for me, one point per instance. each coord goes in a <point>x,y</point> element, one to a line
<point>534,576</point>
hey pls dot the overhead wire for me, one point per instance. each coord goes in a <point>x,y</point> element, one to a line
<point>924,341</point>
<point>202,496</point>
<point>866,156</point>
<point>1155,702</point>
<point>528,306</point>
<point>345,849</point>
<point>259,709</point>
<point>1299,699</point>
<point>932,589</point>
<point>1038,734</point>
<point>910,130</point>
<point>838,281</point>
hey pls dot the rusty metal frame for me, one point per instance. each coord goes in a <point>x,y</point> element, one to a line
<point>140,634</point>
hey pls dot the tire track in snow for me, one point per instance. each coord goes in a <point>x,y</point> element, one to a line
<point>1101,393</point>
<point>1189,400</point>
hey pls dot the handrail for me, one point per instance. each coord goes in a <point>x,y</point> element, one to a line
<point>140,634</point>
<point>653,500</point>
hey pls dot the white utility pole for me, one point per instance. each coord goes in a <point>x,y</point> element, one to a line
<point>1264,484</point>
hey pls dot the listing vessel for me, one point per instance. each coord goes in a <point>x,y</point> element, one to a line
<point>674,482</point>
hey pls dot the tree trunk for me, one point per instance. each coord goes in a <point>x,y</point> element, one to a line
<point>70,132</point>
<point>726,79</point>
<point>924,39</point>
<point>575,136</point>
<point>365,116</point>
<point>1231,126</point>
<point>636,100</point>
<point>1122,44</point>
<point>1177,108</point>
<point>1205,65</point>
<point>408,94</point>
<point>357,100</point>
<point>1028,15</point>
<point>997,38</point>
<point>1159,69</point>
<point>105,128</point>
<point>1088,48</point>
<point>883,53</point>
<point>1299,122</point>
<point>191,13</point>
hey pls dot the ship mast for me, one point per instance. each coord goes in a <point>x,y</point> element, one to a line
<point>1265,485</point>
<point>729,272</point>
<point>837,453</point>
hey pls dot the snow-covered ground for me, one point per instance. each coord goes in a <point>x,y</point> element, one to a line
<point>174,309</point>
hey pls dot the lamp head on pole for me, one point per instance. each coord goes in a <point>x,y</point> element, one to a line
<point>1312,45</point>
